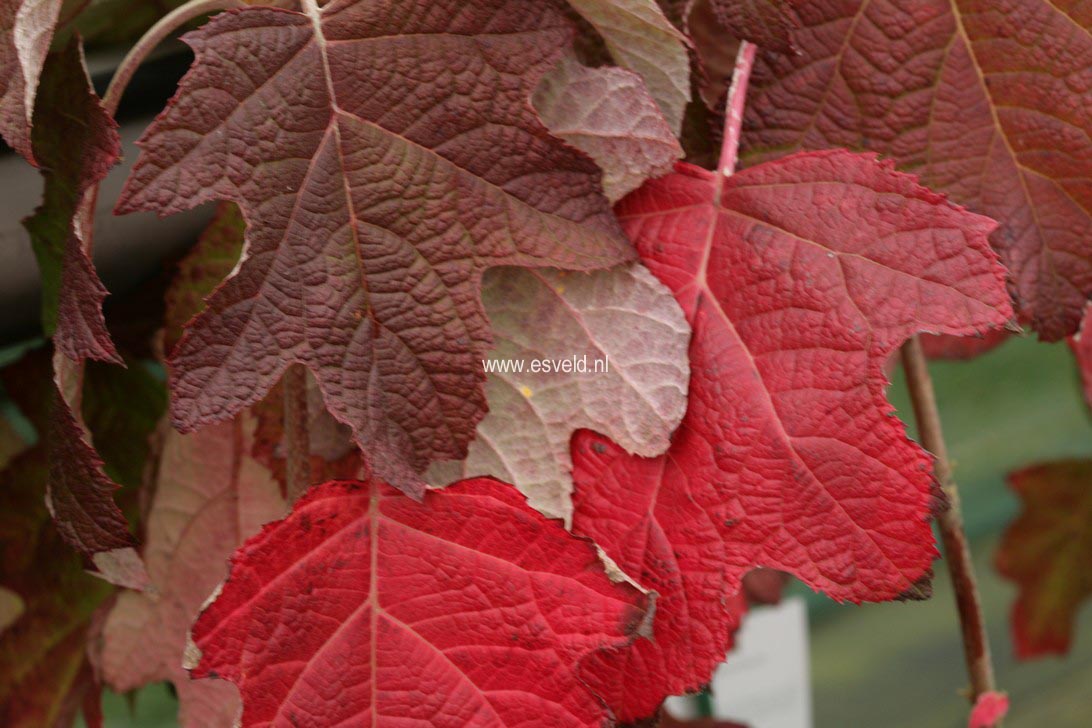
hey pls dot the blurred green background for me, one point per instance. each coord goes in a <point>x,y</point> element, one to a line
<point>900,664</point>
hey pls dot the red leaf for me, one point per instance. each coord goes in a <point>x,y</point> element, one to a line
<point>985,99</point>
<point>1047,551</point>
<point>800,278</point>
<point>26,30</point>
<point>383,156</point>
<point>989,710</point>
<point>341,612</point>
<point>963,347</point>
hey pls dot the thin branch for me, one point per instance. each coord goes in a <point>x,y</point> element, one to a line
<point>67,373</point>
<point>159,32</point>
<point>733,109</point>
<point>976,646</point>
<point>297,436</point>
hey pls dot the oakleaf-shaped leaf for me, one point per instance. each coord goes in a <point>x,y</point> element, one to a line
<point>986,100</point>
<point>608,114</point>
<point>210,496</point>
<point>600,323</point>
<point>640,38</point>
<point>383,154</point>
<point>338,614</point>
<point>800,278</point>
<point>216,253</point>
<point>1047,551</point>
<point>26,30</point>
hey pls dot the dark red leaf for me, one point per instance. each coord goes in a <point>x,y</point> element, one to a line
<point>345,611</point>
<point>984,99</point>
<point>1047,551</point>
<point>383,156</point>
<point>77,143</point>
<point>963,347</point>
<point>800,278</point>
<point>765,22</point>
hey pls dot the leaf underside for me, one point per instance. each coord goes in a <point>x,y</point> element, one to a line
<point>606,319</point>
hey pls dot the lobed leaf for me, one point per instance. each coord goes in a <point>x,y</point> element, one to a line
<point>383,157</point>
<point>341,612</point>
<point>800,278</point>
<point>985,100</point>
<point>609,317</point>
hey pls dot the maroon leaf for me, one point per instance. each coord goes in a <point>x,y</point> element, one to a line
<point>340,613</point>
<point>799,278</point>
<point>383,157</point>
<point>985,99</point>
<point>768,23</point>
<point>77,143</point>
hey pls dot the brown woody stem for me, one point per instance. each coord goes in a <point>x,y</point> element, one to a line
<point>67,373</point>
<point>297,438</point>
<point>976,646</point>
<point>733,108</point>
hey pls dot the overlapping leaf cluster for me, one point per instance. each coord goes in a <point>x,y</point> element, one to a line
<point>413,193</point>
